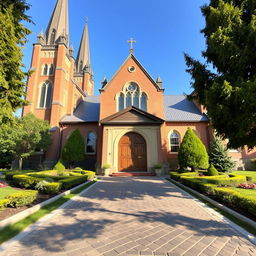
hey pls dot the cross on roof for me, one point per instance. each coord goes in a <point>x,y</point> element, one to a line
<point>131,41</point>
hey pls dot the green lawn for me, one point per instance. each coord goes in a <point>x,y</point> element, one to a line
<point>6,191</point>
<point>246,192</point>
<point>247,173</point>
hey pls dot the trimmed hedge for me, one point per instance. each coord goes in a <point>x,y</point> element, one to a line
<point>225,195</point>
<point>25,181</point>
<point>48,187</point>
<point>22,198</point>
<point>3,203</point>
<point>9,175</point>
<point>234,198</point>
<point>43,180</point>
<point>72,182</point>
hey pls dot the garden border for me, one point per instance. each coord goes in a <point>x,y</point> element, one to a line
<point>21,215</point>
<point>248,235</point>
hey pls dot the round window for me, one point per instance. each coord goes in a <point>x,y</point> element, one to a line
<point>131,68</point>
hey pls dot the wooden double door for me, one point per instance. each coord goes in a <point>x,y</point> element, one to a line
<point>132,153</point>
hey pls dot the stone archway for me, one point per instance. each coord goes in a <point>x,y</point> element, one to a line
<point>132,153</point>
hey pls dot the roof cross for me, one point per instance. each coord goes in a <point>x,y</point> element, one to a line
<point>131,41</point>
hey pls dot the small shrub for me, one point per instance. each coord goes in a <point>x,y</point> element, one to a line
<point>106,166</point>
<point>48,187</point>
<point>212,171</point>
<point>59,166</point>
<point>3,203</point>
<point>78,168</point>
<point>22,198</point>
<point>157,166</point>
<point>90,175</point>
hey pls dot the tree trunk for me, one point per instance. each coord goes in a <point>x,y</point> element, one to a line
<point>20,163</point>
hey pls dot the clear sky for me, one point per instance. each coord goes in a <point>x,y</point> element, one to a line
<point>163,30</point>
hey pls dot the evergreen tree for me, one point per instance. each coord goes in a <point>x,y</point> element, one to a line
<point>25,136</point>
<point>218,156</point>
<point>73,150</point>
<point>192,152</point>
<point>226,83</point>
<point>12,37</point>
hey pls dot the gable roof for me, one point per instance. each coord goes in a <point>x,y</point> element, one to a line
<point>131,56</point>
<point>177,108</point>
<point>132,115</point>
<point>88,110</point>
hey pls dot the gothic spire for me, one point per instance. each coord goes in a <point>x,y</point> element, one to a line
<point>58,27</point>
<point>83,56</point>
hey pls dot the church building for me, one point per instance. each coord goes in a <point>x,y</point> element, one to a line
<point>132,125</point>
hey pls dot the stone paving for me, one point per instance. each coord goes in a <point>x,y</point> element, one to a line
<point>130,216</point>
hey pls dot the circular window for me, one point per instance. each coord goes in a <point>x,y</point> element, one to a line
<point>131,68</point>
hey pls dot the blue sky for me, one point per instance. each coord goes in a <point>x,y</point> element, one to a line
<point>163,29</point>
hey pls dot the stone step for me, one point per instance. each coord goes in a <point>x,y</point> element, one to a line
<point>118,174</point>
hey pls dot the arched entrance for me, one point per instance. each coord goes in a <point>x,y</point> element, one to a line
<point>132,153</point>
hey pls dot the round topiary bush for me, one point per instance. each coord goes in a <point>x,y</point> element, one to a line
<point>192,152</point>
<point>212,171</point>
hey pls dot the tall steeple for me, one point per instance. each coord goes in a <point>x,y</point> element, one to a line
<point>83,57</point>
<point>58,28</point>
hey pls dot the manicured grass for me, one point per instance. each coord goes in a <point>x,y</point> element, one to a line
<point>247,173</point>
<point>229,216</point>
<point>6,191</point>
<point>246,192</point>
<point>12,230</point>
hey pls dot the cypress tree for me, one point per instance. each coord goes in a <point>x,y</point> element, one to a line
<point>192,152</point>
<point>73,150</point>
<point>218,156</point>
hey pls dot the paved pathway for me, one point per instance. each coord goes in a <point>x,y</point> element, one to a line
<point>133,216</point>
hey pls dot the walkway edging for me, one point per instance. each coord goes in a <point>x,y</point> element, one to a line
<point>21,215</point>
<point>248,235</point>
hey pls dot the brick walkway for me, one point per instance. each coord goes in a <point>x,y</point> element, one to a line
<point>132,216</point>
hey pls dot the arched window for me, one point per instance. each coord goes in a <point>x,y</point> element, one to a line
<point>45,70</point>
<point>91,143</point>
<point>128,99</point>
<point>45,95</point>
<point>121,102</point>
<point>174,142</point>
<point>132,96</point>
<point>51,70</point>
<point>143,101</point>
<point>53,34</point>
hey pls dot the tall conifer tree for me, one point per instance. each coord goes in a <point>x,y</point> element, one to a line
<point>12,36</point>
<point>226,83</point>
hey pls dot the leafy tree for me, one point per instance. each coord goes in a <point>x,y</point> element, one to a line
<point>226,83</point>
<point>218,156</point>
<point>73,150</point>
<point>12,37</point>
<point>192,152</point>
<point>26,135</point>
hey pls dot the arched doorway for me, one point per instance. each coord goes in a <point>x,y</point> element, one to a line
<point>132,153</point>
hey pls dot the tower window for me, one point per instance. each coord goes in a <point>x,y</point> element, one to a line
<point>45,69</point>
<point>45,95</point>
<point>51,70</point>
